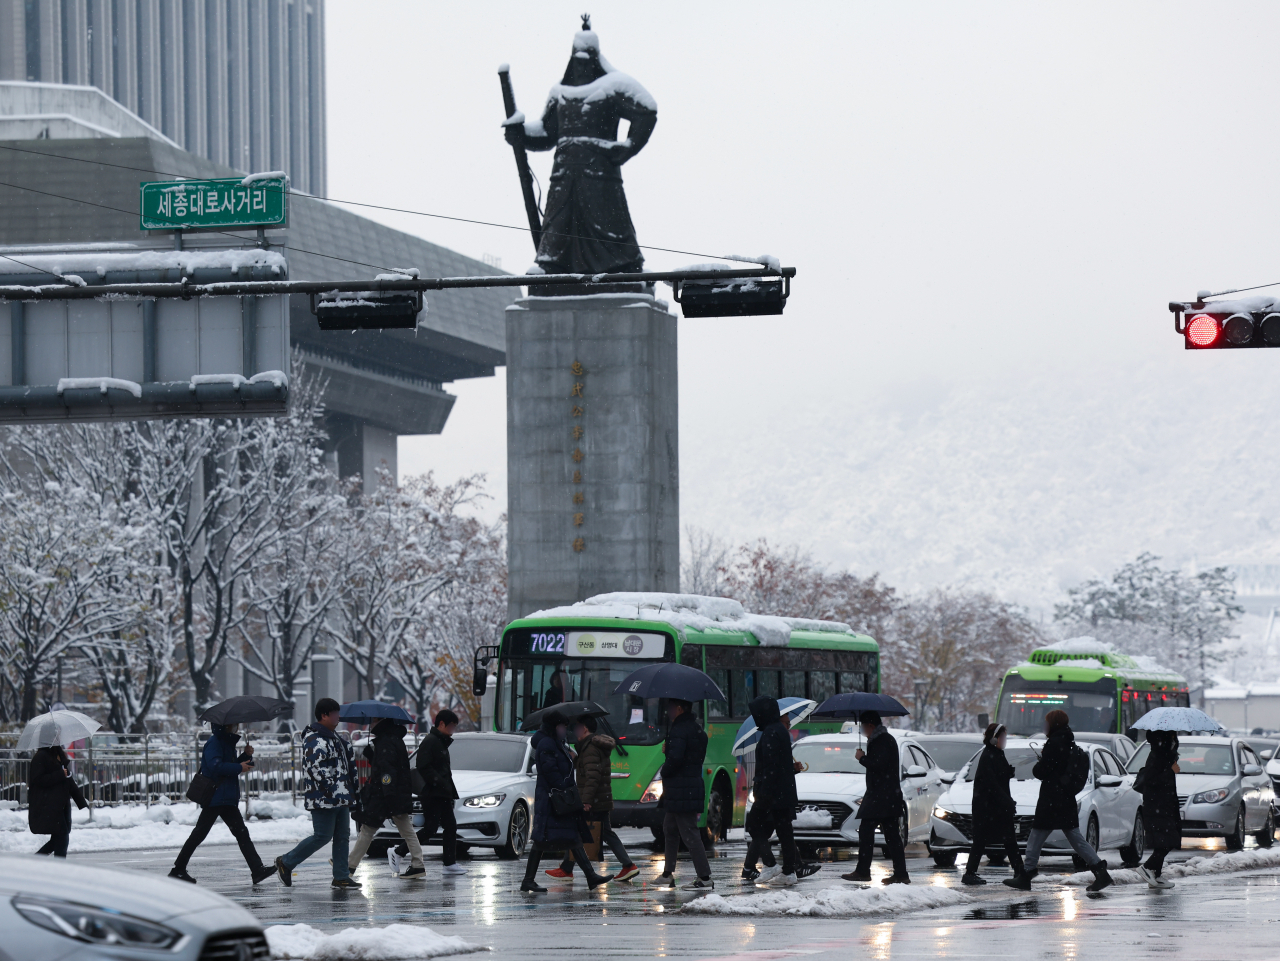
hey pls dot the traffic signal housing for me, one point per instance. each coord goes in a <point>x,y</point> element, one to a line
<point>1213,326</point>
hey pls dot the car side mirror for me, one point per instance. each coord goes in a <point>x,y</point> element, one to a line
<point>1109,780</point>
<point>1266,755</point>
<point>916,771</point>
<point>948,779</point>
<point>1252,770</point>
<point>479,682</point>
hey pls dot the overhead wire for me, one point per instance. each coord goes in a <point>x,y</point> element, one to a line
<point>358,203</point>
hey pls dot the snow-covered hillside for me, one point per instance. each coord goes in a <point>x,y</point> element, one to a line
<point>1025,484</point>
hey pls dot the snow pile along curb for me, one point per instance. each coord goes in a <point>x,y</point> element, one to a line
<point>1255,860</point>
<point>395,942</point>
<point>831,902</point>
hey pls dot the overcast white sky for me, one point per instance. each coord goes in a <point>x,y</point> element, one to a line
<point>974,194</point>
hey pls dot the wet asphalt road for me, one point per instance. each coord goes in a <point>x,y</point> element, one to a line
<point>1235,916</point>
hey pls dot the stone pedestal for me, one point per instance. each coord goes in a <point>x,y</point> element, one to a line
<point>592,448</point>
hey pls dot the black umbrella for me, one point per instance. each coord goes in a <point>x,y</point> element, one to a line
<point>358,711</point>
<point>246,708</point>
<point>677,681</point>
<point>856,703</point>
<point>571,710</point>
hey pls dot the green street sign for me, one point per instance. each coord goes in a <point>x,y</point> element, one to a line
<point>193,204</point>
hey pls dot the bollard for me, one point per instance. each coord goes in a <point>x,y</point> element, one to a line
<point>93,784</point>
<point>146,769</point>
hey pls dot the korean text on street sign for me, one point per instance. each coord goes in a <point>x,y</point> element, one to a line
<point>193,204</point>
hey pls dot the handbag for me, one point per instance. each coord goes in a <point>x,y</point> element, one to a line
<point>201,790</point>
<point>1140,781</point>
<point>566,800</point>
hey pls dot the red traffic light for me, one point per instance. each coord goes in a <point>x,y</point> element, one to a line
<point>1203,330</point>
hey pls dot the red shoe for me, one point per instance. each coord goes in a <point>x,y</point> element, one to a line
<point>558,873</point>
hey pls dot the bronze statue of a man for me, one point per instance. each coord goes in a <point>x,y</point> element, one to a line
<point>587,227</point>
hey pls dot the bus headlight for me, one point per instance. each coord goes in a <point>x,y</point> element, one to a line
<point>485,801</point>
<point>654,791</point>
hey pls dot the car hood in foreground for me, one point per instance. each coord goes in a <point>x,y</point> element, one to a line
<point>830,785</point>
<point>143,895</point>
<point>1195,783</point>
<point>470,783</point>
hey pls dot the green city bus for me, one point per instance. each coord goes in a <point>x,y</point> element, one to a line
<point>592,654</point>
<point>1100,690</point>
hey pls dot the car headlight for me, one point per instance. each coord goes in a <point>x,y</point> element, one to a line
<point>1210,797</point>
<point>94,925</point>
<point>654,791</point>
<point>941,813</point>
<point>485,801</point>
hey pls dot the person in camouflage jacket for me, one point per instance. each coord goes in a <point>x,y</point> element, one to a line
<point>330,793</point>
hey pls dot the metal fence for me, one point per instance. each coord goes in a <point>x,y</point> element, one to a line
<point>115,769</point>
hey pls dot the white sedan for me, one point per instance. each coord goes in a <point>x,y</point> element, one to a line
<point>1109,807</point>
<point>832,782</point>
<point>495,779</point>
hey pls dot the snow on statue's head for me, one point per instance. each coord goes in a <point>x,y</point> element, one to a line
<point>586,65</point>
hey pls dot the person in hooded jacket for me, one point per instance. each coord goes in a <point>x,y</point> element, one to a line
<point>50,791</point>
<point>882,803</point>
<point>554,831</point>
<point>775,805</point>
<point>993,805</point>
<point>1161,814</point>
<point>387,795</point>
<point>595,786</point>
<point>1056,807</point>
<point>684,794</point>
<point>222,761</point>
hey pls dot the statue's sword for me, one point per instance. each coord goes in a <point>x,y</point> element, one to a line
<point>522,161</point>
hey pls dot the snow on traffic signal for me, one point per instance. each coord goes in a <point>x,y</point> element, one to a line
<point>1212,326</point>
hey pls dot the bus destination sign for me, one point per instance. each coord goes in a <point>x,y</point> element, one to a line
<point>213,204</point>
<point>551,643</point>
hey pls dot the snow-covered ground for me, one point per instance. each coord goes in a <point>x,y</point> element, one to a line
<point>1231,862</point>
<point>833,901</point>
<point>271,818</point>
<point>395,942</point>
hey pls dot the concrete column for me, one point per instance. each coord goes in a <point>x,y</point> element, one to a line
<point>217,118</point>
<point>379,450</point>
<point>126,53</point>
<point>316,99</point>
<point>278,83</point>
<point>259,86</point>
<point>238,148</point>
<point>101,38</point>
<point>173,71</point>
<point>299,100</point>
<point>75,41</point>
<point>194,68</point>
<point>593,450</point>
<point>150,60</point>
<point>13,40</point>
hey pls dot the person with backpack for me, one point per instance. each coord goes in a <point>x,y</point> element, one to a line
<point>1063,771</point>
<point>387,796</point>
<point>594,773</point>
<point>1161,815</point>
<point>684,795</point>
<point>882,804</point>
<point>993,805</point>
<point>223,762</point>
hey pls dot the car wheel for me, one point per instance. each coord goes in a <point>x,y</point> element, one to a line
<point>1131,853</point>
<point>904,830</point>
<point>517,833</point>
<point>997,860</point>
<point>1091,838</point>
<point>1235,840</point>
<point>1266,837</point>
<point>659,838</point>
<point>945,859</point>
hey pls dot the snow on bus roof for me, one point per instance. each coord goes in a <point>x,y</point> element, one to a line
<point>701,613</point>
<point>1080,645</point>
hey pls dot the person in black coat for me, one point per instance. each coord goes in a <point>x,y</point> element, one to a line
<point>1161,815</point>
<point>556,830</point>
<point>438,790</point>
<point>993,805</point>
<point>684,794</point>
<point>50,791</point>
<point>775,798</point>
<point>1056,807</point>
<point>882,802</point>
<point>387,796</point>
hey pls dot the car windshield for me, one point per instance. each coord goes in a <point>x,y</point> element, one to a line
<point>949,755</point>
<point>1192,759</point>
<point>1265,746</point>
<point>486,754</point>
<point>1023,760</point>
<point>827,758</point>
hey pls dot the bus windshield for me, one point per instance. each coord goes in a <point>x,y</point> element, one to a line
<point>1024,703</point>
<point>530,684</point>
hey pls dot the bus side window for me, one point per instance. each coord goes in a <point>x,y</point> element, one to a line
<point>822,685</point>
<point>852,681</point>
<point>691,655</point>
<point>767,683</point>
<point>719,708</point>
<point>743,684</point>
<point>793,684</point>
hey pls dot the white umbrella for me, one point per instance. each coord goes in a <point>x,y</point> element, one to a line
<point>1187,720</point>
<point>56,727</point>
